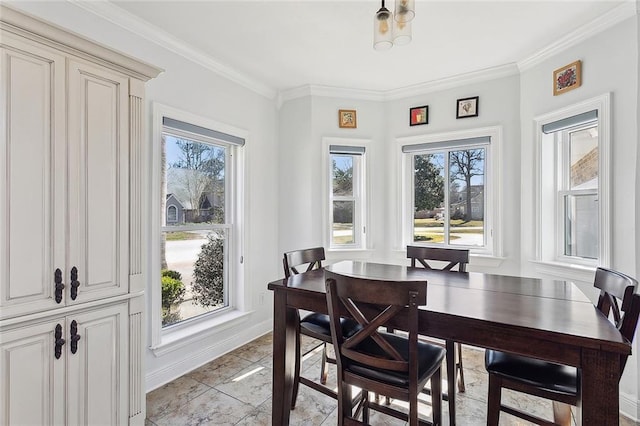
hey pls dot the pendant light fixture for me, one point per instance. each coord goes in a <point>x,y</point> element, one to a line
<point>393,28</point>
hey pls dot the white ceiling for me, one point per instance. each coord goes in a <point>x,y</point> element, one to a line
<point>288,44</point>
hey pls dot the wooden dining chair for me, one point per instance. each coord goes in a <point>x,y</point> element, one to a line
<point>313,324</point>
<point>380,362</point>
<point>560,383</point>
<point>425,256</point>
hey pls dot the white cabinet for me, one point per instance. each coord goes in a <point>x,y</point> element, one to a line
<point>66,370</point>
<point>71,228</point>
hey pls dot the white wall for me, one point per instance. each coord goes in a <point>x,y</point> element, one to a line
<point>609,64</point>
<point>190,87</point>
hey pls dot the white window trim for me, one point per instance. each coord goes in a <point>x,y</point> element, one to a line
<point>364,220</point>
<point>493,187</point>
<point>550,262</point>
<point>181,334</point>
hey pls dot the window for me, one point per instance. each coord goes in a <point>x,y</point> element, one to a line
<point>573,219</point>
<point>196,250</point>
<point>448,190</point>
<point>347,199</point>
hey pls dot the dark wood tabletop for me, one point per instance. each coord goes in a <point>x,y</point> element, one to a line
<point>547,319</point>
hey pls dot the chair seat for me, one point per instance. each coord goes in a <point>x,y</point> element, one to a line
<point>320,324</point>
<point>545,375</point>
<point>429,360</point>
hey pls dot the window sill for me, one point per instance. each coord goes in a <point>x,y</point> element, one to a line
<point>182,335</point>
<point>568,271</point>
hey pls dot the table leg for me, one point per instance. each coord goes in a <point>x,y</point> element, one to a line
<point>600,379</point>
<point>451,382</point>
<point>284,333</point>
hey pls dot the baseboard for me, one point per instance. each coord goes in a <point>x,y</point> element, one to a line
<point>194,360</point>
<point>629,406</point>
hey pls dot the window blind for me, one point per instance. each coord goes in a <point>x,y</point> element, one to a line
<point>344,149</point>
<point>575,120</point>
<point>202,131</point>
<point>482,140</point>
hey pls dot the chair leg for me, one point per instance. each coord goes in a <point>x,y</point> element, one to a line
<point>296,373</point>
<point>461,387</point>
<point>344,402</point>
<point>561,413</point>
<point>451,379</point>
<point>365,407</point>
<point>436,397</point>
<point>324,370</point>
<point>493,400</point>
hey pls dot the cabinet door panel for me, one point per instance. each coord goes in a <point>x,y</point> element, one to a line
<point>97,372</point>
<point>32,163</point>
<point>98,177</point>
<point>32,386</point>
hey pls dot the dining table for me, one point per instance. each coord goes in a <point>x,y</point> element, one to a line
<point>546,319</point>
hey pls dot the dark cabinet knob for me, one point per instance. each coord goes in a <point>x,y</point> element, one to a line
<point>59,341</point>
<point>59,285</point>
<point>74,283</point>
<point>74,337</point>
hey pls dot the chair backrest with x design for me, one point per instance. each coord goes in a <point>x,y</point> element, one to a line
<point>373,303</point>
<point>617,301</point>
<point>422,255</point>
<point>294,261</point>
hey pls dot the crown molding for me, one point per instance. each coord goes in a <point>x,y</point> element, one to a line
<point>144,29</point>
<point>626,10</point>
<point>453,81</point>
<point>404,92</point>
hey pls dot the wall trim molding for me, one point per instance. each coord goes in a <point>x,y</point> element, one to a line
<point>144,29</point>
<point>603,22</point>
<point>196,358</point>
<point>629,406</point>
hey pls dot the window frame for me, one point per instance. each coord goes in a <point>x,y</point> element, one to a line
<point>361,208</point>
<point>493,187</point>
<point>549,258</point>
<point>163,339</point>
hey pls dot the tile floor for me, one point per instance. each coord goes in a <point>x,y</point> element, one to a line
<point>235,389</point>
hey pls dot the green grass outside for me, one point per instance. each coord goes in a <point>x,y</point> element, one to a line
<point>456,223</point>
<point>182,235</point>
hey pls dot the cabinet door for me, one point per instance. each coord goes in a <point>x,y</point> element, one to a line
<point>32,175</point>
<point>97,386</point>
<point>32,385</point>
<point>98,182</point>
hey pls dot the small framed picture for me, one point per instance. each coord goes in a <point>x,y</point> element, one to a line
<point>467,107</point>
<point>347,118</point>
<point>567,78</point>
<point>419,115</point>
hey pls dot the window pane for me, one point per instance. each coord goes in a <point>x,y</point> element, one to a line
<point>428,182</point>
<point>194,279</point>
<point>466,197</point>
<point>194,178</point>
<point>343,222</point>
<point>583,151</point>
<point>342,176</point>
<point>581,226</point>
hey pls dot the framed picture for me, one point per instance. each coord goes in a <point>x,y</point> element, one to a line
<point>567,78</point>
<point>467,107</point>
<point>347,118</point>
<point>419,115</point>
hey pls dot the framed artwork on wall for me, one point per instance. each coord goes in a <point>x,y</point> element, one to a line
<point>419,115</point>
<point>347,119</point>
<point>567,78</point>
<point>467,107</point>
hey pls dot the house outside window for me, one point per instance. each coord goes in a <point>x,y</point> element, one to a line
<point>196,249</point>
<point>449,193</point>
<point>347,201</point>
<point>573,227</point>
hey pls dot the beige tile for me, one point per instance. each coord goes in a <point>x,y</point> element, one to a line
<point>173,395</point>
<point>220,369</point>
<point>211,408</point>
<point>251,385</point>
